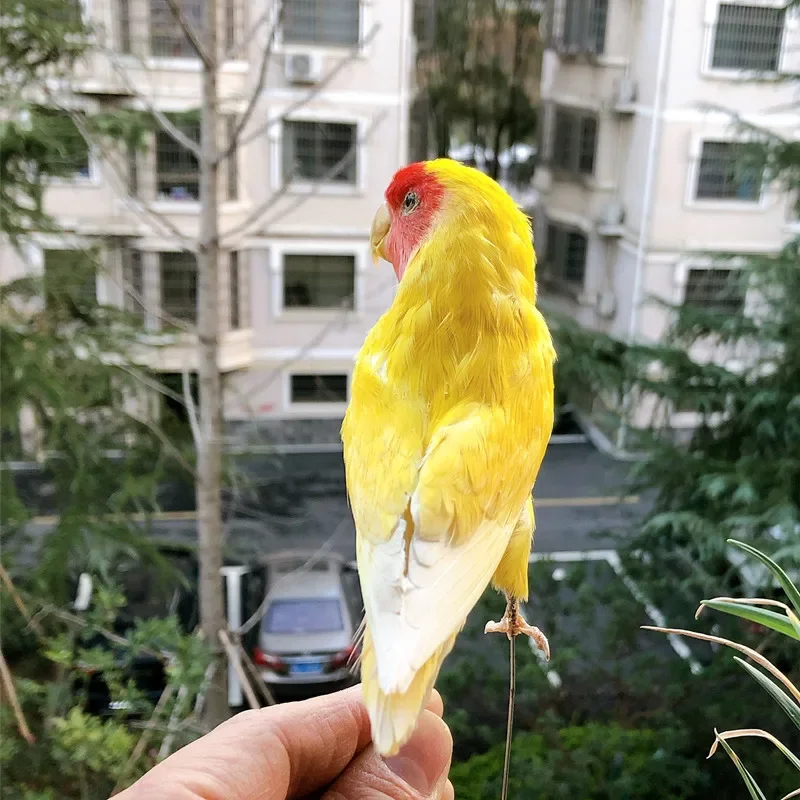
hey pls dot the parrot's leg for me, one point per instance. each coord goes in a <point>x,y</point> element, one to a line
<point>513,624</point>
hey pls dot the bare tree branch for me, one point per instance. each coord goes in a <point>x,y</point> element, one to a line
<point>255,215</point>
<point>163,120</point>
<point>316,90</point>
<point>207,58</point>
<point>8,685</point>
<point>20,603</point>
<point>255,95</point>
<point>191,409</point>
<point>164,439</point>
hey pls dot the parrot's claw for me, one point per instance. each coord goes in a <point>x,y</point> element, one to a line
<point>514,624</point>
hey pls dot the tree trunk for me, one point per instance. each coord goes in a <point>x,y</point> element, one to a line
<point>209,446</point>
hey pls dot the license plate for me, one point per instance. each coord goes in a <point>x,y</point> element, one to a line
<point>306,668</point>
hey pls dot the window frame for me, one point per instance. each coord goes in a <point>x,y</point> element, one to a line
<point>694,202</point>
<point>95,174</point>
<point>191,204</point>
<point>292,309</point>
<point>578,118</point>
<point>323,408</point>
<point>557,28</point>
<point>279,248</point>
<point>277,132</point>
<point>165,325</point>
<point>363,50</point>
<point>553,274</point>
<point>711,24</point>
<point>324,44</point>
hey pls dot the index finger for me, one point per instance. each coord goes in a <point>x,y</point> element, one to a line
<point>283,751</point>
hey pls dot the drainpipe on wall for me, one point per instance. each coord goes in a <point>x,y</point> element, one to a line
<point>648,194</point>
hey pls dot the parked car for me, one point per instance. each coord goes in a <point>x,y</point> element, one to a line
<point>311,612</point>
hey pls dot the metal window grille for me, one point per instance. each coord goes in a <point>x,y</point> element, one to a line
<point>318,281</point>
<point>167,39</point>
<point>330,22</point>
<point>319,388</point>
<point>748,37</point>
<point>133,172</point>
<point>319,151</point>
<point>124,25</point>
<point>232,164</point>
<point>715,290</point>
<point>70,283</point>
<point>177,170</point>
<point>723,176</point>
<point>133,281</point>
<point>565,255</point>
<point>574,141</point>
<point>67,150</point>
<point>578,26</point>
<point>235,290</point>
<point>179,285</point>
<point>231,28</point>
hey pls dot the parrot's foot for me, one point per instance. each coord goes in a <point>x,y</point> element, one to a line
<point>513,624</point>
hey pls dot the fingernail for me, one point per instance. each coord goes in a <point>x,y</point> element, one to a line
<point>423,760</point>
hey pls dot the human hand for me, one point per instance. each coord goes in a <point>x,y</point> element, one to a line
<point>317,748</point>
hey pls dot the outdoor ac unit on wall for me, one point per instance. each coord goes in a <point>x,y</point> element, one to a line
<point>303,67</point>
<point>626,92</point>
<point>612,215</point>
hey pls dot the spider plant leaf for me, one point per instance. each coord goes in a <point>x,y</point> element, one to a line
<point>788,704</point>
<point>791,590</point>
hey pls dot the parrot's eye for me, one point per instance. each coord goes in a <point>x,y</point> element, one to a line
<point>410,202</point>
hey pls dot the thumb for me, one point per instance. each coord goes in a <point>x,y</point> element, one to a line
<point>417,772</point>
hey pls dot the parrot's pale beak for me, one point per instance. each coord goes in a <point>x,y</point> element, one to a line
<point>378,232</point>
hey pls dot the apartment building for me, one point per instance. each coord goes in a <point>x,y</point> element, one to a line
<point>639,155</point>
<point>296,197</point>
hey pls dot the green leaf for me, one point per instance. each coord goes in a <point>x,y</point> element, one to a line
<point>749,781</point>
<point>774,691</point>
<point>777,571</point>
<point>769,619</point>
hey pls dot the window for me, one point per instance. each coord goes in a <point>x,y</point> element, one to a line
<point>167,39</point>
<point>324,281</point>
<point>715,290</point>
<point>327,22</point>
<point>722,175</point>
<point>232,164</point>
<point>565,257</point>
<point>179,286</point>
<point>319,151</point>
<point>133,281</point>
<point>319,388</point>
<point>124,25</point>
<point>748,37</point>
<point>231,28</point>
<point>67,153</point>
<point>133,172</point>
<point>304,615</point>
<point>583,26</point>
<point>70,284</point>
<point>574,141</point>
<point>233,263</point>
<point>177,170</point>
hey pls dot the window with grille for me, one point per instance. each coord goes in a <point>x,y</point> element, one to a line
<point>319,151</point>
<point>318,281</point>
<point>327,22</point>
<point>124,25</point>
<point>133,281</point>
<point>70,282</point>
<point>67,152</point>
<point>232,164</point>
<point>723,174</point>
<point>235,290</point>
<point>715,290</point>
<point>565,255</point>
<point>167,39</point>
<point>748,37</point>
<point>582,25</point>
<point>574,141</point>
<point>177,170</point>
<point>319,388</point>
<point>179,286</point>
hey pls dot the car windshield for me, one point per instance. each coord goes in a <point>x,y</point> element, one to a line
<point>310,615</point>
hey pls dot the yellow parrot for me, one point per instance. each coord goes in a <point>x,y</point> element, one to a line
<point>450,413</point>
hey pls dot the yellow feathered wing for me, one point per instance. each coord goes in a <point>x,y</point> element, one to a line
<point>433,520</point>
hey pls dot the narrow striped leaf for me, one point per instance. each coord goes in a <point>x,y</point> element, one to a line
<point>749,781</point>
<point>791,590</point>
<point>769,619</point>
<point>790,707</point>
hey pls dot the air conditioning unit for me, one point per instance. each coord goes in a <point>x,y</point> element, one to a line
<point>606,304</point>
<point>612,215</point>
<point>626,92</point>
<point>303,67</point>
